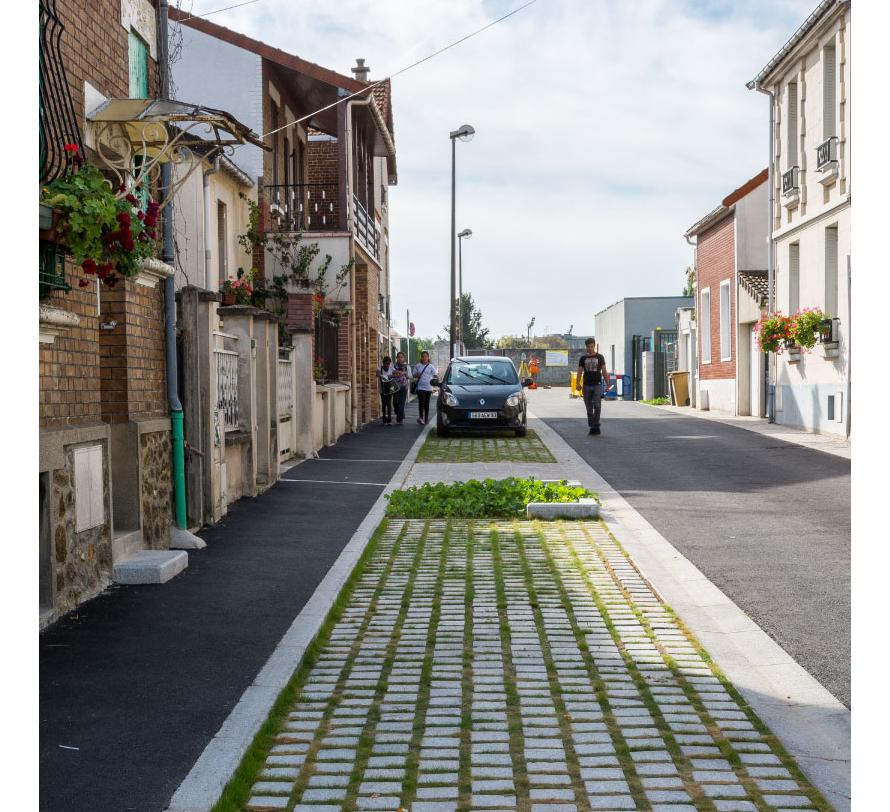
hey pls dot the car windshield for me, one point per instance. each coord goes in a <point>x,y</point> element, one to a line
<point>482,373</point>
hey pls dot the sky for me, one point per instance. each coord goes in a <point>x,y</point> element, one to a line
<point>604,129</point>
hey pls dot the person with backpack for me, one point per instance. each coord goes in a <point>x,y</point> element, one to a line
<point>422,374</point>
<point>387,389</point>
<point>592,373</point>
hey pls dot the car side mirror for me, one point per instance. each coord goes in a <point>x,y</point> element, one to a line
<point>435,382</point>
<point>527,381</point>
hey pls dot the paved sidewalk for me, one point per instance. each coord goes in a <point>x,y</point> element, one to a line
<point>829,443</point>
<point>517,666</point>
<point>134,684</point>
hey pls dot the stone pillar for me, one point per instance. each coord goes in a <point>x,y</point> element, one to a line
<point>304,393</point>
<point>648,376</point>
<point>238,320</point>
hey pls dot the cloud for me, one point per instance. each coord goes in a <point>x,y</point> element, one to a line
<point>604,129</point>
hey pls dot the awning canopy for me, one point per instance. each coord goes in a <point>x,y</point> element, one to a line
<point>141,118</point>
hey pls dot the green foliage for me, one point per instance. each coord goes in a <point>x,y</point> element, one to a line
<point>105,233</point>
<point>475,336</point>
<point>488,499</point>
<point>689,287</point>
<point>807,327</point>
<point>773,331</point>
<point>657,401</point>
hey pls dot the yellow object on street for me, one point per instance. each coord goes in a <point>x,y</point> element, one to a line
<point>574,388</point>
<point>680,387</point>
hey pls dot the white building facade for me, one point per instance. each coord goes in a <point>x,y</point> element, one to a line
<point>809,83</point>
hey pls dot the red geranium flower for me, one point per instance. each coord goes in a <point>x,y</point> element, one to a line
<point>72,149</point>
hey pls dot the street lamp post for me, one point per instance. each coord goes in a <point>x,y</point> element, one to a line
<point>460,283</point>
<point>464,133</point>
<point>530,325</point>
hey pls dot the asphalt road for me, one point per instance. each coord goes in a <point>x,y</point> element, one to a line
<point>767,521</point>
<point>135,683</point>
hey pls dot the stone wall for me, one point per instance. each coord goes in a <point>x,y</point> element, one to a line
<point>157,489</point>
<point>82,561</point>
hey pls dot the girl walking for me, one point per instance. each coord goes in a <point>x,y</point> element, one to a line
<point>423,373</point>
<point>401,374</point>
<point>387,388</point>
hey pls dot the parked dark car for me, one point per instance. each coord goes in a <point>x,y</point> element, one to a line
<point>481,393</point>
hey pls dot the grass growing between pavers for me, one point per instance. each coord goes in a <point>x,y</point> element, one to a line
<point>238,790</point>
<point>470,447</point>
<point>532,574</point>
<point>815,797</point>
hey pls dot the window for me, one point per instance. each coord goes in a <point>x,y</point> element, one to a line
<point>793,277</point>
<point>725,322</point>
<point>222,241</point>
<point>792,124</point>
<point>706,326</point>
<point>273,115</point>
<point>138,53</point>
<point>829,71</point>
<point>831,271</point>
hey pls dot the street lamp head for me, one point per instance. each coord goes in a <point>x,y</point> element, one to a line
<point>465,133</point>
<point>465,233</point>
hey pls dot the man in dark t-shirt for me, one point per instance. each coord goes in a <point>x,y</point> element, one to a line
<point>592,373</point>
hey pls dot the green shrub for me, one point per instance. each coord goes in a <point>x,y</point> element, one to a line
<point>488,499</point>
<point>658,401</point>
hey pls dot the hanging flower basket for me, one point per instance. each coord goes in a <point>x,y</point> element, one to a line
<point>774,333</point>
<point>107,233</point>
<point>807,325</point>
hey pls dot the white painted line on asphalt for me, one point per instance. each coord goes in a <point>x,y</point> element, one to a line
<point>344,459</point>
<point>204,784</point>
<point>335,482</point>
<point>813,726</point>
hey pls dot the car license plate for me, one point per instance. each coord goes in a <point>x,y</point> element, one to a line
<point>483,415</point>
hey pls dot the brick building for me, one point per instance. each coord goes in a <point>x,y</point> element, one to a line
<point>104,427</point>
<point>323,180</point>
<point>731,267</point>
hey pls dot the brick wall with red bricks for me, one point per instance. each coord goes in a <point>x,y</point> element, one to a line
<point>715,264</point>
<point>323,167</point>
<point>94,49</point>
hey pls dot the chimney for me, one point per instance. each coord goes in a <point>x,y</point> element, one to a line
<point>360,70</point>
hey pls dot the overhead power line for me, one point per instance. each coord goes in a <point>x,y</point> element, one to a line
<point>402,70</point>
<point>218,10</point>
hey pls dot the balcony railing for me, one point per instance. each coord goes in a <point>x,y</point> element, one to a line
<point>303,206</point>
<point>826,152</point>
<point>365,228</point>
<point>790,181</point>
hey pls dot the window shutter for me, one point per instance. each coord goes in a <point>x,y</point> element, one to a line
<point>138,66</point>
<point>792,125</point>
<point>829,78</point>
<point>793,277</point>
<point>831,271</point>
<point>706,326</point>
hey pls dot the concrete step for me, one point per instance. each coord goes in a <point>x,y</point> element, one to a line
<point>582,509</point>
<point>125,543</point>
<point>151,567</point>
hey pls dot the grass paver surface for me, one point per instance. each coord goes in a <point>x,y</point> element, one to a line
<point>514,665</point>
<point>497,447</point>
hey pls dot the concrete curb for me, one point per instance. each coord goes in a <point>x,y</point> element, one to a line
<point>204,784</point>
<point>826,443</point>
<point>811,724</point>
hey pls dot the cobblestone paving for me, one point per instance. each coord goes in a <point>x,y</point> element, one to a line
<point>490,448</point>
<point>516,665</point>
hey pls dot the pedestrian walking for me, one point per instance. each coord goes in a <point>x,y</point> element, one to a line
<point>422,375</point>
<point>592,373</point>
<point>401,374</point>
<point>387,389</point>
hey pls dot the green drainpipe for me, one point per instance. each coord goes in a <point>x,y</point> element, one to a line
<point>170,297</point>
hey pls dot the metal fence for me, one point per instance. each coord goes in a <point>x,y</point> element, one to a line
<point>285,388</point>
<point>227,388</point>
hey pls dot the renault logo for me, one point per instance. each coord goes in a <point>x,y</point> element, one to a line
<point>481,401</point>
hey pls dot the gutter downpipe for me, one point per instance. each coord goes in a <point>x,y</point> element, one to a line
<point>693,395</point>
<point>170,297</point>
<point>208,251</point>
<point>769,376</point>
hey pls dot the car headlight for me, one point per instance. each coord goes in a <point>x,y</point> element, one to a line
<point>451,400</point>
<point>514,400</point>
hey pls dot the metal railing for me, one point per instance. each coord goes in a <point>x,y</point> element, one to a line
<point>227,388</point>
<point>826,152</point>
<point>303,206</point>
<point>365,228</point>
<point>790,181</point>
<point>285,388</point>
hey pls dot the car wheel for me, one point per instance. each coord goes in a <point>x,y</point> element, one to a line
<point>521,432</point>
<point>441,431</point>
